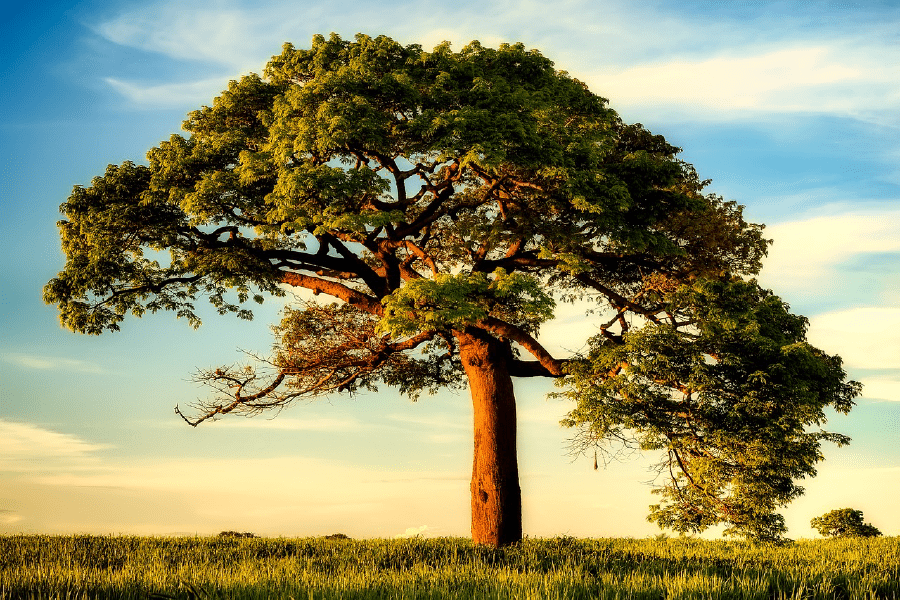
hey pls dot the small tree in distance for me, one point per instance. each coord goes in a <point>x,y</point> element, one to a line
<point>446,202</point>
<point>844,522</point>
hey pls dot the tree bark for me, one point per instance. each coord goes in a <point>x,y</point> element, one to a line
<point>496,495</point>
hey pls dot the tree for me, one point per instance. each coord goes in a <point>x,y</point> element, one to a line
<point>843,522</point>
<point>446,202</point>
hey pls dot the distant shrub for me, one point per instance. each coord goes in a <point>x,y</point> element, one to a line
<point>337,536</point>
<point>236,534</point>
<point>844,522</point>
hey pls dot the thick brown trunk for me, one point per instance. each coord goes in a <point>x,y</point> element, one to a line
<point>496,496</point>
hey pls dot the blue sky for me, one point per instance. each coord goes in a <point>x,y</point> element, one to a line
<point>792,108</point>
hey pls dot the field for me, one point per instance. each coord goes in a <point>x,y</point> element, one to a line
<point>33,566</point>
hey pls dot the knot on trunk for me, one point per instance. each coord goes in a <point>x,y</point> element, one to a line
<point>475,361</point>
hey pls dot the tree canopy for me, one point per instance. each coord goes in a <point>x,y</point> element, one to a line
<point>447,202</point>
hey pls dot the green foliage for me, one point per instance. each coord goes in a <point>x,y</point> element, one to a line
<point>554,568</point>
<point>503,149</point>
<point>448,302</point>
<point>729,390</point>
<point>844,522</point>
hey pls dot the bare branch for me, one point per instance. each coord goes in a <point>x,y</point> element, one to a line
<point>323,349</point>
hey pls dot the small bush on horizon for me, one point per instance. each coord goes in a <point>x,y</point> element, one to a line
<point>844,522</point>
<point>236,534</point>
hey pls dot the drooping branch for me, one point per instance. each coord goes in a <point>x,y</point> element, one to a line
<point>256,401</point>
<point>153,288</point>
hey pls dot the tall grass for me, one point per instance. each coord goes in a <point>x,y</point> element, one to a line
<point>138,567</point>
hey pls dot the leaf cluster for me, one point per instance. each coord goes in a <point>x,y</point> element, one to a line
<point>727,388</point>
<point>447,302</point>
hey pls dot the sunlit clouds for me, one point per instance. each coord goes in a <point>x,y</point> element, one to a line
<point>868,337</point>
<point>808,254</point>
<point>9,517</point>
<point>645,60</point>
<point>845,263</point>
<point>306,495</point>
<point>745,82</point>
<point>412,532</point>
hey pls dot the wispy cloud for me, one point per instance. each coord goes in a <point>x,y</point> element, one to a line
<point>288,478</point>
<point>437,421</point>
<point>290,495</point>
<point>843,258</point>
<point>9,517</point>
<point>436,428</point>
<point>212,32</point>
<point>880,388</point>
<point>31,361</point>
<point>26,447</point>
<point>169,94</point>
<point>647,58</point>
<point>543,411</point>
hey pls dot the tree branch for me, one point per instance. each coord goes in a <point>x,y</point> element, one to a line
<point>511,332</point>
<point>333,288</point>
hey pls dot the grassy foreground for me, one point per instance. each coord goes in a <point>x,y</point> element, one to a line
<point>33,566</point>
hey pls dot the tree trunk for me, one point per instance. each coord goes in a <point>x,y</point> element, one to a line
<point>496,496</point>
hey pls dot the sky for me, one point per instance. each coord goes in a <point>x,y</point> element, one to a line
<point>791,108</point>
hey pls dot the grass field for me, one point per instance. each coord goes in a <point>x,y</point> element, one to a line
<point>33,566</point>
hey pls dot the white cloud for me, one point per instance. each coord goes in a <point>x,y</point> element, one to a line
<point>207,32</point>
<point>412,532</point>
<point>879,388</point>
<point>866,338</point>
<point>31,361</point>
<point>436,428</point>
<point>27,447</point>
<point>433,421</point>
<point>834,78</point>
<point>543,411</point>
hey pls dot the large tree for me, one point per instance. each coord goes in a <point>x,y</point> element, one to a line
<point>445,202</point>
